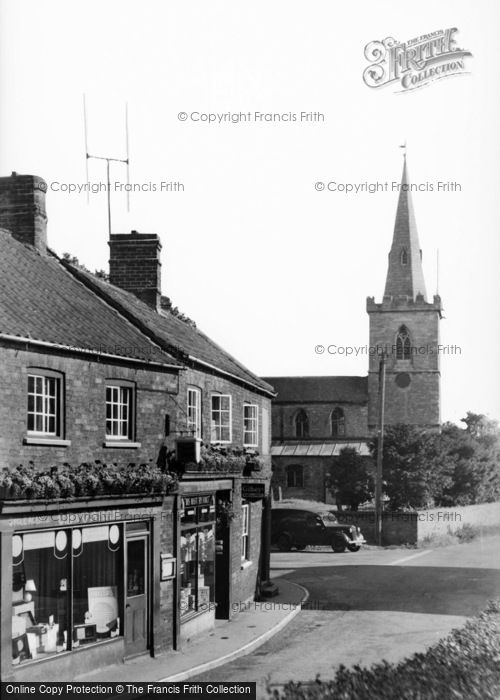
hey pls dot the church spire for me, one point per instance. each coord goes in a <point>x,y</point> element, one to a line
<point>405,276</point>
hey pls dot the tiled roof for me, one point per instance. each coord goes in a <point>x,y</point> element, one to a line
<point>320,389</point>
<point>41,300</point>
<point>178,337</point>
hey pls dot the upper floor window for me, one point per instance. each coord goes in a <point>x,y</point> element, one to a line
<point>45,403</point>
<point>403,344</point>
<point>194,411</point>
<point>301,424</point>
<point>250,425</point>
<point>404,257</point>
<point>295,476</point>
<point>221,418</point>
<point>338,422</point>
<point>119,411</point>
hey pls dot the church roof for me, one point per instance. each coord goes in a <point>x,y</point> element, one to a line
<point>405,276</point>
<point>319,389</point>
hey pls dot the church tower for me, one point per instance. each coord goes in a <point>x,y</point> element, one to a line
<point>406,326</point>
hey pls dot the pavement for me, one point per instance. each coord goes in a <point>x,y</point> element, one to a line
<point>229,640</point>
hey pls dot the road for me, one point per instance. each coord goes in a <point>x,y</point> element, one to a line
<point>367,606</point>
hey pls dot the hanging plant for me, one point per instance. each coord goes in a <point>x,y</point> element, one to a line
<point>224,513</point>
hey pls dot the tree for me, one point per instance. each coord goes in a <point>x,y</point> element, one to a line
<point>351,479</point>
<point>475,452</point>
<point>416,469</point>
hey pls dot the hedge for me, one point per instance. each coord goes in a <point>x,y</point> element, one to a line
<point>465,664</point>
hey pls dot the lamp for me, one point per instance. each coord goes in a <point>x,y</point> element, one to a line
<point>29,589</point>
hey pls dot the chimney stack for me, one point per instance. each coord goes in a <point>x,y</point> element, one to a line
<point>135,266</point>
<point>22,209</point>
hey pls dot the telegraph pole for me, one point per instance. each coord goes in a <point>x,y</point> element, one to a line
<point>380,450</point>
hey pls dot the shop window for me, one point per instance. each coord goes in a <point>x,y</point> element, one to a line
<point>221,418</point>
<point>245,532</point>
<point>194,411</point>
<point>46,585</point>
<point>295,476</point>
<point>197,567</point>
<point>250,425</point>
<point>44,403</point>
<point>97,573</point>
<point>338,422</point>
<point>119,411</point>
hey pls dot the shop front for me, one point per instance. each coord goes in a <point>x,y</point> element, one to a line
<point>204,581</point>
<point>80,586</point>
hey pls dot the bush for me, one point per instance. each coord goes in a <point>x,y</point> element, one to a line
<point>463,665</point>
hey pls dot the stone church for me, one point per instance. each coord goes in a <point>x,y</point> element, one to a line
<point>314,418</point>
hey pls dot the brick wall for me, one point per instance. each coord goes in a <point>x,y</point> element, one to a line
<point>163,619</point>
<point>244,576</point>
<point>85,410</point>
<point>22,209</point>
<point>210,383</point>
<point>135,265</point>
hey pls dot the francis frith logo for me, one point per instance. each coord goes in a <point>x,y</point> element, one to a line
<point>416,62</point>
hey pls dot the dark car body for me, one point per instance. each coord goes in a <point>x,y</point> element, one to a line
<point>294,526</point>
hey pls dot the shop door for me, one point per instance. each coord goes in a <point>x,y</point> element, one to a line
<point>136,600</point>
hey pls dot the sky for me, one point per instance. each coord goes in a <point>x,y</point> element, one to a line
<point>266,264</point>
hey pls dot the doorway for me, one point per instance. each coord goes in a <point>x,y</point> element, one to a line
<point>136,595</point>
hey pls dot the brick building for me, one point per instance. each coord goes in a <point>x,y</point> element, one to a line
<point>315,417</point>
<point>105,393</point>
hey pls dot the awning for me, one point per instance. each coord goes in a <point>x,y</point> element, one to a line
<point>318,449</point>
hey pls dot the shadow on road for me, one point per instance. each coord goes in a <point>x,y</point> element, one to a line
<point>422,589</point>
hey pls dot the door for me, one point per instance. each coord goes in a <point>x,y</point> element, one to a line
<point>136,598</point>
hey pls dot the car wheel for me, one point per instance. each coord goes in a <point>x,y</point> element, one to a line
<point>284,543</point>
<point>338,547</point>
<point>354,547</point>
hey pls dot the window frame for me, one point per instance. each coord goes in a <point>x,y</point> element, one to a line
<point>58,377</point>
<point>302,415</point>
<point>220,426</point>
<point>337,420</point>
<point>121,384</point>
<point>255,420</point>
<point>196,425</point>
<point>245,532</point>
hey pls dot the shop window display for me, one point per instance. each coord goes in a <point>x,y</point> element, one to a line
<point>47,586</point>
<point>197,554</point>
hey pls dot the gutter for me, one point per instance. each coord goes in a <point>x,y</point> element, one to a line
<point>85,351</point>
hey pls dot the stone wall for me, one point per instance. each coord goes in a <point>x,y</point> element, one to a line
<point>410,528</point>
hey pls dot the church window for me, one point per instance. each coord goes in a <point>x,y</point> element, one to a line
<point>338,422</point>
<point>295,476</point>
<point>301,424</point>
<point>404,257</point>
<point>403,344</point>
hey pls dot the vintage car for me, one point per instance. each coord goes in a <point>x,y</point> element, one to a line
<point>302,525</point>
